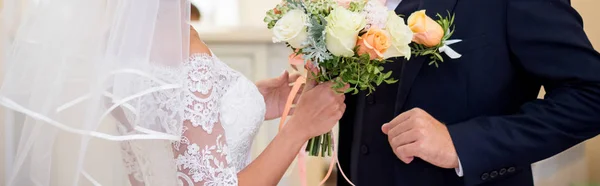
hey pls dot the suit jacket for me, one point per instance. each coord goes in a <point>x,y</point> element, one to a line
<point>487,98</point>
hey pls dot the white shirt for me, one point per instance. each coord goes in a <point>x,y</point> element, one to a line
<point>392,5</point>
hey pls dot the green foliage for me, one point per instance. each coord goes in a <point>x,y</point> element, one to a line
<point>447,24</point>
<point>317,49</point>
<point>320,7</point>
<point>360,72</point>
<point>272,16</point>
<point>295,4</point>
<point>357,6</point>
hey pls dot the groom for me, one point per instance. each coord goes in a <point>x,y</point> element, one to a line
<point>476,120</point>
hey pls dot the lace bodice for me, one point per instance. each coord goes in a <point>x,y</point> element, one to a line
<point>223,112</point>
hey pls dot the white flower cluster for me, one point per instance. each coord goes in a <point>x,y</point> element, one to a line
<point>376,14</point>
<point>343,27</point>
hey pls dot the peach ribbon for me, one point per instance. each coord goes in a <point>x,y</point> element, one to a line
<point>301,157</point>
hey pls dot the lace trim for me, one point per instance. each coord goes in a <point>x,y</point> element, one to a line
<point>211,78</point>
<point>205,165</point>
<point>209,164</point>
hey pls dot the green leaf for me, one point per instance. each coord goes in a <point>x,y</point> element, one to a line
<point>387,75</point>
<point>390,81</point>
<point>351,89</point>
<point>439,56</point>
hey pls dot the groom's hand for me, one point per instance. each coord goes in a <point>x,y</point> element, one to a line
<point>415,133</point>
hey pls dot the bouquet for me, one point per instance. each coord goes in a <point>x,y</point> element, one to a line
<point>348,42</point>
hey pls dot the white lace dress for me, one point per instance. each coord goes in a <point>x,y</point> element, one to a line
<point>223,114</point>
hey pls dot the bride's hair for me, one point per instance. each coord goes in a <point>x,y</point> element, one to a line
<point>195,14</point>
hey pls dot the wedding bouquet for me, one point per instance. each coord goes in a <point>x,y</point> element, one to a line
<point>349,41</point>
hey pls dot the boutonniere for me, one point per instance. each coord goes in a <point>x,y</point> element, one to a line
<point>432,38</point>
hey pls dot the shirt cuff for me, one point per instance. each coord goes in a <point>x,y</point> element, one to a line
<point>459,170</point>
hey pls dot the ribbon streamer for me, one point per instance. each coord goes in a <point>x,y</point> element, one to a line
<point>301,157</point>
<point>449,51</point>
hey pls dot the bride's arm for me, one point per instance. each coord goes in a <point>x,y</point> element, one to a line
<point>202,155</point>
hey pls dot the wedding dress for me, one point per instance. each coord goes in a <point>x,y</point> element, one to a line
<point>222,115</point>
<point>111,96</point>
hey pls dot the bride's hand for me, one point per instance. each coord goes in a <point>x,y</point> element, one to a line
<point>275,91</point>
<point>318,111</point>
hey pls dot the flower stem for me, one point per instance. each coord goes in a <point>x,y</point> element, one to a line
<point>319,146</point>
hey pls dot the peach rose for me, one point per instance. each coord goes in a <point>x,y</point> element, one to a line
<point>426,31</point>
<point>344,3</point>
<point>375,43</point>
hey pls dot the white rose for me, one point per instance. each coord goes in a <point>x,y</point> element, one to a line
<point>291,28</point>
<point>342,31</point>
<point>400,36</point>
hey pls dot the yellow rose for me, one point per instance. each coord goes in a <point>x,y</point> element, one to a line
<point>400,36</point>
<point>291,28</point>
<point>374,43</point>
<point>342,31</point>
<point>427,31</point>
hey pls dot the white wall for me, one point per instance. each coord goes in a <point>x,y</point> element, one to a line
<point>2,124</point>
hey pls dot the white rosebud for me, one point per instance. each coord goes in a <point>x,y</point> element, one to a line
<point>291,28</point>
<point>400,36</point>
<point>342,31</point>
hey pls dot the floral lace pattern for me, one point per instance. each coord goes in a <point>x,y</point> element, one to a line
<point>217,113</point>
<point>147,161</point>
<point>223,110</point>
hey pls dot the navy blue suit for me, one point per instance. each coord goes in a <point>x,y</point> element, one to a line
<point>487,98</point>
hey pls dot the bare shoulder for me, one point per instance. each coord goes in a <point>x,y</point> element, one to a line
<point>196,44</point>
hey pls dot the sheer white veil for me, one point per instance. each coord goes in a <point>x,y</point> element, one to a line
<point>99,83</point>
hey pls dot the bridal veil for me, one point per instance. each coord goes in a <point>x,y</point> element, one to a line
<point>90,76</point>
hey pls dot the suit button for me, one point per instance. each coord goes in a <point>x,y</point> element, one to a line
<point>485,176</point>
<point>502,171</point>
<point>493,174</point>
<point>364,149</point>
<point>511,169</point>
<point>371,99</point>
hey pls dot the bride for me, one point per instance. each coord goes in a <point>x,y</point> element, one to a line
<point>130,79</point>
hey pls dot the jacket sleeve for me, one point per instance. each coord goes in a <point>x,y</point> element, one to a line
<point>547,39</point>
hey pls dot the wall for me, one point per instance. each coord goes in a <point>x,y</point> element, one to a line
<point>2,172</point>
<point>589,11</point>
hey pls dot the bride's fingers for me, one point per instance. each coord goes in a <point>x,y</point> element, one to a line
<point>311,82</point>
<point>293,78</point>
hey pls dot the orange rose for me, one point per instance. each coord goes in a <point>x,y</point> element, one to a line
<point>374,43</point>
<point>426,31</point>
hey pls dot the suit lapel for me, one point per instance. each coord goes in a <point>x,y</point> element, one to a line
<point>411,68</point>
